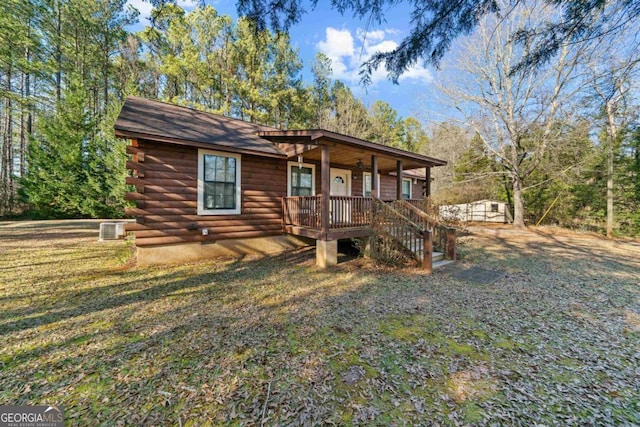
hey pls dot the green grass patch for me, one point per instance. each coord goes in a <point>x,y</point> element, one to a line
<point>409,328</point>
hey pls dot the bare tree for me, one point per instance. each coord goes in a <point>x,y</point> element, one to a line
<point>514,114</point>
<point>613,74</point>
<point>448,142</point>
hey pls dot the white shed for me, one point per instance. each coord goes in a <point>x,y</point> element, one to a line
<point>481,211</point>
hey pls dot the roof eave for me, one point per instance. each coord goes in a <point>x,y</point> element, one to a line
<point>317,134</point>
<point>124,133</point>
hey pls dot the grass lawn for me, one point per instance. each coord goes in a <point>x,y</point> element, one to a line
<point>555,340</point>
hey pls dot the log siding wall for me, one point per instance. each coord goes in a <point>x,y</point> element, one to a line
<point>166,197</point>
<point>166,177</point>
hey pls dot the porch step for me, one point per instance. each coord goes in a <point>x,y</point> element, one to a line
<point>441,263</point>
<point>435,256</point>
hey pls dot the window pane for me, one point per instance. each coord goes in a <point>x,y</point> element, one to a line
<point>305,181</point>
<point>209,168</point>
<point>209,196</point>
<point>228,189</point>
<point>300,191</point>
<point>229,202</point>
<point>231,170</point>
<point>219,168</point>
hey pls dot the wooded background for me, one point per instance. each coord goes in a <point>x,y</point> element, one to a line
<point>566,135</point>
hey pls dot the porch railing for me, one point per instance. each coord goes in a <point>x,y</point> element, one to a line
<point>302,211</point>
<point>426,205</point>
<point>400,220</point>
<point>344,211</point>
<point>348,211</point>
<point>397,232</point>
<point>444,237</point>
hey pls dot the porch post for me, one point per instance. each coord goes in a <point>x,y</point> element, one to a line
<point>375,192</point>
<point>399,180</point>
<point>325,189</point>
<point>326,250</point>
<point>427,184</point>
<point>427,251</point>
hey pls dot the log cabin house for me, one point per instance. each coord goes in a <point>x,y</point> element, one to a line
<point>209,185</point>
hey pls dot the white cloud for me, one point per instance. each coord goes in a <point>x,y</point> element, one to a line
<point>145,7</point>
<point>338,43</point>
<point>417,73</point>
<point>371,35</point>
<point>188,4</point>
<point>339,48</point>
<point>346,55</point>
<point>384,46</point>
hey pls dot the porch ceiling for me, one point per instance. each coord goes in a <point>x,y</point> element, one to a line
<point>347,156</point>
<point>346,150</point>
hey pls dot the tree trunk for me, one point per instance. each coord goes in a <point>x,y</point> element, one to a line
<point>613,133</point>
<point>58,73</point>
<point>518,203</point>
<point>105,71</point>
<point>6,181</point>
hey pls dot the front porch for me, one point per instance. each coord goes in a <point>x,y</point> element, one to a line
<point>354,177</point>
<point>404,222</point>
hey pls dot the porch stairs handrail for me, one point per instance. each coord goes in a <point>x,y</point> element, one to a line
<point>444,237</point>
<point>389,223</point>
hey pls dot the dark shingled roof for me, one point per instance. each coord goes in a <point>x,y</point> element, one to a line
<point>157,120</point>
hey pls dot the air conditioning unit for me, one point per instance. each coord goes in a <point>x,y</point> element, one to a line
<point>111,230</point>
<point>120,229</point>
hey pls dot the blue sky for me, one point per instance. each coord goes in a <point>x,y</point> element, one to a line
<point>348,42</point>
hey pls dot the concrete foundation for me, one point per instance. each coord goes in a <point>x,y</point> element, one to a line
<point>187,252</point>
<point>326,253</point>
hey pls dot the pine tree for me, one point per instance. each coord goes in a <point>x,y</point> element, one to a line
<point>105,171</point>
<point>321,69</point>
<point>55,183</point>
<point>386,128</point>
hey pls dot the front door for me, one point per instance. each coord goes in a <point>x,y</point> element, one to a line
<point>340,182</point>
<point>340,186</point>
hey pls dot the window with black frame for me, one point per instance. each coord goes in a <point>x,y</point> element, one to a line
<point>219,182</point>
<point>301,181</point>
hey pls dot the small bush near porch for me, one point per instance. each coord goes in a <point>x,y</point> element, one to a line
<point>553,340</point>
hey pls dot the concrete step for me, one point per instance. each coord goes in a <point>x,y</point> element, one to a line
<point>436,256</point>
<point>441,263</point>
